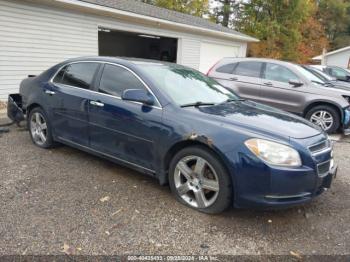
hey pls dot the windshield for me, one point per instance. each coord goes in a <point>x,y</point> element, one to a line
<point>329,78</point>
<point>186,86</point>
<point>310,76</point>
<point>318,73</point>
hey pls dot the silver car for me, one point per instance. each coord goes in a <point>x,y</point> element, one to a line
<point>287,86</point>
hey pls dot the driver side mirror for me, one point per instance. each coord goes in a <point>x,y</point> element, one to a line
<point>295,82</point>
<point>138,95</point>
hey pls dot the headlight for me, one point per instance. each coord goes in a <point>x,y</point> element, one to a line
<point>274,153</point>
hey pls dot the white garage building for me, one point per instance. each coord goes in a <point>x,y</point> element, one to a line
<point>339,57</point>
<point>36,34</point>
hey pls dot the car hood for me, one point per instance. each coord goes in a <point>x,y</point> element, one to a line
<point>341,85</point>
<point>260,118</point>
<point>335,90</point>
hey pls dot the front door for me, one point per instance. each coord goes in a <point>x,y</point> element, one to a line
<point>122,129</point>
<point>276,90</point>
<point>69,94</point>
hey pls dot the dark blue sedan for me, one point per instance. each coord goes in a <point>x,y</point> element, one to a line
<point>214,149</point>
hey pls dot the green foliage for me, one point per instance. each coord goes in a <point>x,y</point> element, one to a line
<point>224,11</point>
<point>335,17</point>
<point>276,23</point>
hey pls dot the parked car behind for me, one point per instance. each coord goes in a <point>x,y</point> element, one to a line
<point>339,73</point>
<point>180,126</point>
<point>328,80</point>
<point>286,86</point>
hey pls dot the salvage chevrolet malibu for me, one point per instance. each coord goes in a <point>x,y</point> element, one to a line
<point>213,148</point>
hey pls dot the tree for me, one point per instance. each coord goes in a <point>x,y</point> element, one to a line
<point>284,28</point>
<point>224,11</point>
<point>313,36</point>
<point>335,17</point>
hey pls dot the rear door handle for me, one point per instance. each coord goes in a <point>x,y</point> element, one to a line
<point>49,92</point>
<point>96,103</point>
<point>234,78</point>
<point>268,84</point>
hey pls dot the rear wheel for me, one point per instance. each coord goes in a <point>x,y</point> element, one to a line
<point>325,117</point>
<point>199,180</point>
<point>39,128</point>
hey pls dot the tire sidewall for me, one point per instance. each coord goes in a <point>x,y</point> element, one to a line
<point>224,199</point>
<point>330,110</point>
<point>49,140</point>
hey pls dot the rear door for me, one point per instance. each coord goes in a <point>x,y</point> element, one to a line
<point>68,97</point>
<point>276,90</point>
<point>245,79</point>
<point>122,129</point>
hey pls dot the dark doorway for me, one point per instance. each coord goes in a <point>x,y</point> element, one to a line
<point>139,45</point>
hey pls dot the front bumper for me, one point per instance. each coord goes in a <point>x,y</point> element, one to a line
<point>297,188</point>
<point>346,121</point>
<point>258,185</point>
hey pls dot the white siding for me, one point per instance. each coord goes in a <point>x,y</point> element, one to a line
<point>34,37</point>
<point>190,52</point>
<point>339,59</point>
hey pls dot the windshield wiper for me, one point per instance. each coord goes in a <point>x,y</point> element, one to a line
<point>197,104</point>
<point>329,84</point>
<point>234,100</point>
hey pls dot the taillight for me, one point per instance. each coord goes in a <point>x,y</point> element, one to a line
<point>212,68</point>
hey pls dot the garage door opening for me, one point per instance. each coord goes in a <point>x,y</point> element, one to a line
<point>138,45</point>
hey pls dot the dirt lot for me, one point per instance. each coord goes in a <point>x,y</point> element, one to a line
<point>63,199</point>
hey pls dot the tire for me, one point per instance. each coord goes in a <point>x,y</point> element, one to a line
<point>316,112</point>
<point>190,185</point>
<point>44,127</point>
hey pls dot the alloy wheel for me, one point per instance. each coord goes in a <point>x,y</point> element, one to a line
<point>323,119</point>
<point>38,128</point>
<point>196,181</point>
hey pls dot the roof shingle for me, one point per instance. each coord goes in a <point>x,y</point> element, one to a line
<point>141,8</point>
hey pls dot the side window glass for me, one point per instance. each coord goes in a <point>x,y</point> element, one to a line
<point>279,73</point>
<point>77,75</point>
<point>116,79</point>
<point>328,71</point>
<point>251,69</point>
<point>227,69</point>
<point>339,73</point>
<point>59,77</point>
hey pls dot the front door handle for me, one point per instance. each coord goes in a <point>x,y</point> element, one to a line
<point>49,92</point>
<point>234,78</point>
<point>96,103</point>
<point>268,84</point>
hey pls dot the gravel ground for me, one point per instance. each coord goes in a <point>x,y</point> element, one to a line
<point>64,199</point>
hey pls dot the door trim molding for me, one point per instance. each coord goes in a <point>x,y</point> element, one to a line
<point>104,154</point>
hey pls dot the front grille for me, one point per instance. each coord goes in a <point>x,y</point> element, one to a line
<point>320,147</point>
<point>323,168</point>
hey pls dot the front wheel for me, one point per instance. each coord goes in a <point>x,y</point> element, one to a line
<point>199,180</point>
<point>325,117</point>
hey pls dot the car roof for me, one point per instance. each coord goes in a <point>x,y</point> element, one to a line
<point>258,59</point>
<point>120,60</point>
